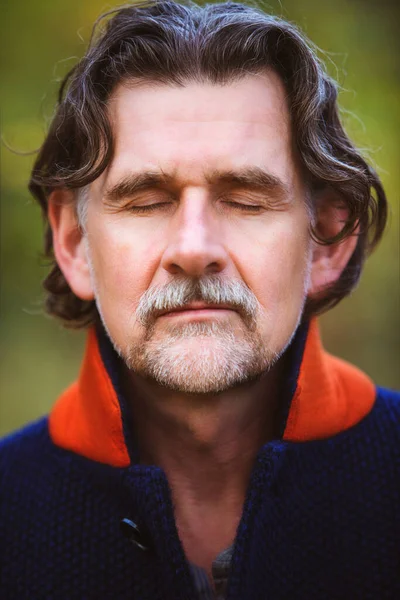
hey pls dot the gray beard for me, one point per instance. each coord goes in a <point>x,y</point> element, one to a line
<point>200,358</point>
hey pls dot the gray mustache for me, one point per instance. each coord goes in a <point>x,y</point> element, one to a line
<point>210,290</point>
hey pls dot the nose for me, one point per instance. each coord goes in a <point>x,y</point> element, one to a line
<point>194,246</point>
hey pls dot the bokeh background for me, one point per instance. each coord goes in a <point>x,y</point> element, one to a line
<point>41,40</point>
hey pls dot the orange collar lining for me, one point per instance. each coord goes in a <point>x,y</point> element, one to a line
<point>331,396</point>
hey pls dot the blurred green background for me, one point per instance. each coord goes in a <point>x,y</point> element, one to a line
<point>41,40</point>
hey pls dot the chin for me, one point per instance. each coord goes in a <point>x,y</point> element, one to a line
<point>201,365</point>
<point>201,383</point>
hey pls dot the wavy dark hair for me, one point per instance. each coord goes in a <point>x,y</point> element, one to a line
<point>173,43</point>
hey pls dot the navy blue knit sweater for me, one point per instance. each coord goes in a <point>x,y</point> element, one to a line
<point>321,520</point>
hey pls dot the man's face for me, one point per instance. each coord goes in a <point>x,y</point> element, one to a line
<point>202,204</point>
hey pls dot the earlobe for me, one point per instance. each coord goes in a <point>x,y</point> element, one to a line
<point>69,243</point>
<point>329,261</point>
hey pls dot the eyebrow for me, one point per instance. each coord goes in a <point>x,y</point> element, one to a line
<point>135,182</point>
<point>247,177</point>
<point>250,177</point>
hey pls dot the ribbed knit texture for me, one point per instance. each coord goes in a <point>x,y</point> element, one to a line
<point>321,521</point>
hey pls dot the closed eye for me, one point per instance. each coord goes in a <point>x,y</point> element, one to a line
<point>244,207</point>
<point>147,208</point>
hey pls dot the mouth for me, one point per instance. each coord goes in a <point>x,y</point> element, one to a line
<point>198,310</point>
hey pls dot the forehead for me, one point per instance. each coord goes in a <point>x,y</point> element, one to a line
<point>199,127</point>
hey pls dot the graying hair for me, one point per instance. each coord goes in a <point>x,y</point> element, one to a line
<point>171,43</point>
<point>81,206</point>
<point>211,289</point>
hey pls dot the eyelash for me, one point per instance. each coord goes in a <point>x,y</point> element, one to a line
<point>245,207</point>
<point>147,208</point>
<point>152,207</point>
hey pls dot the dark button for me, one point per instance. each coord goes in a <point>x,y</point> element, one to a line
<point>132,532</point>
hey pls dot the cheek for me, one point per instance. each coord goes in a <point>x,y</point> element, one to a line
<point>122,263</point>
<point>278,282</point>
<point>274,266</point>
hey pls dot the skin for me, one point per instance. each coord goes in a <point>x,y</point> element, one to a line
<point>205,442</point>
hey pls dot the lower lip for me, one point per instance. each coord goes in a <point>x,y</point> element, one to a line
<point>199,313</point>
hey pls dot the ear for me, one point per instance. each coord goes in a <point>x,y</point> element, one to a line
<point>328,262</point>
<point>69,243</point>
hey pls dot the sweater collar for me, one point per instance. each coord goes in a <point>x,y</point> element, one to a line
<point>320,397</point>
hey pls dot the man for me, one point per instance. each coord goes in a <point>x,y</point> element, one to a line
<point>204,204</point>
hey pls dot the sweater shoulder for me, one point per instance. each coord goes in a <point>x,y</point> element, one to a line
<point>27,453</point>
<point>376,438</point>
<point>387,408</point>
<point>29,438</point>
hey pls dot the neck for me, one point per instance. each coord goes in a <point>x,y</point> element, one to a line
<point>206,446</point>
<point>178,431</point>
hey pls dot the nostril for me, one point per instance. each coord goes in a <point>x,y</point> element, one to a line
<point>213,267</point>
